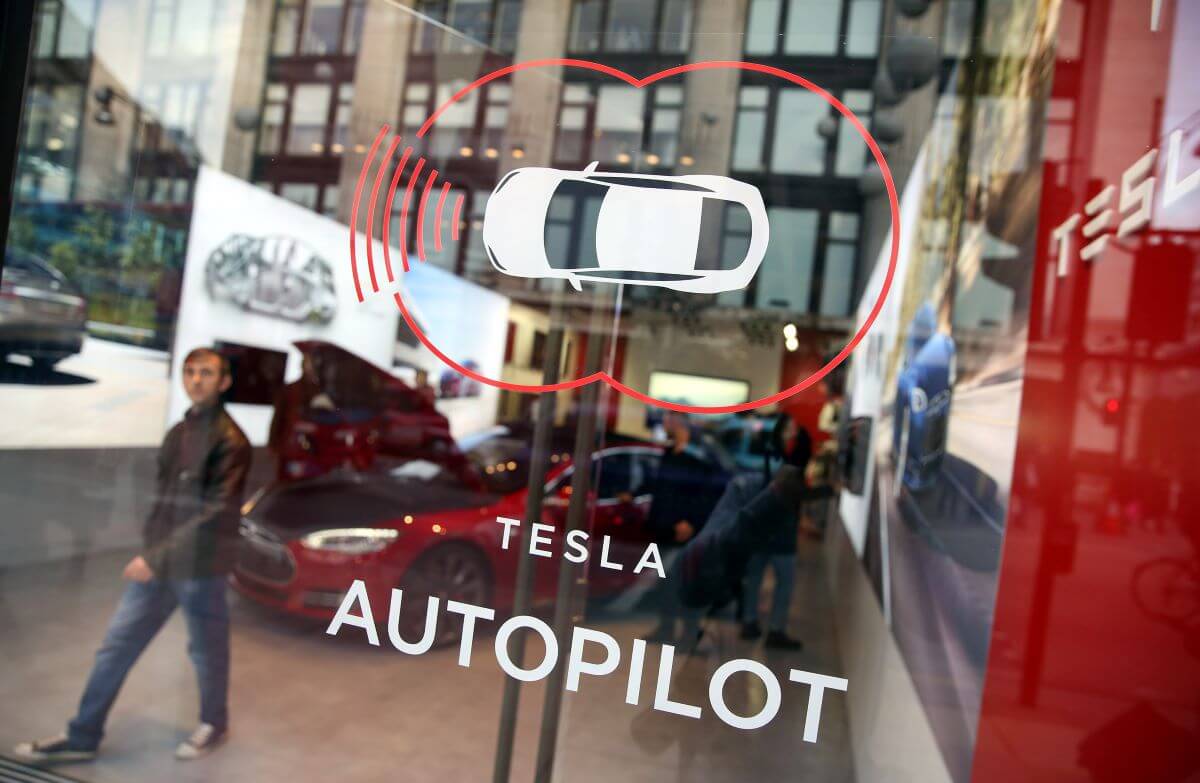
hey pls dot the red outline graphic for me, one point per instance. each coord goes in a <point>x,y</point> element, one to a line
<point>408,191</point>
<point>387,210</point>
<point>379,172</point>
<point>421,214</point>
<point>362,178</point>
<point>559,62</point>
<point>437,217</point>
<point>456,218</point>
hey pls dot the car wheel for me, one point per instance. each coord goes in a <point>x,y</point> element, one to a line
<point>43,365</point>
<point>452,572</point>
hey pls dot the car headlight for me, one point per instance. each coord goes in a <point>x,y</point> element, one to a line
<point>352,540</point>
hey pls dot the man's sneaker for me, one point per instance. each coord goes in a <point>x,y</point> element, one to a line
<point>751,630</point>
<point>203,739</point>
<point>52,750</point>
<point>781,641</point>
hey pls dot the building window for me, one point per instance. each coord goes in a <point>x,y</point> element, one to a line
<point>495,119</point>
<point>841,255</point>
<point>305,119</point>
<point>848,28</point>
<point>750,130</point>
<point>182,27</point>
<point>309,118</point>
<point>610,124</point>
<point>851,149</point>
<point>619,123</point>
<point>63,29</point>
<point>573,113</point>
<point>270,132</point>
<point>664,125</point>
<point>631,26</point>
<point>798,148</point>
<point>455,126</point>
<point>784,280</point>
<point>474,24</point>
<point>178,106</point>
<point>317,27</point>
<point>303,194</point>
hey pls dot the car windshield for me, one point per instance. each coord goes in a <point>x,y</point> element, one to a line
<point>571,220</point>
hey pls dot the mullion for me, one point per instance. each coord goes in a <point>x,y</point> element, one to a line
<point>785,9</point>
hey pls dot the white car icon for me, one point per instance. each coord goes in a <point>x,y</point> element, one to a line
<point>625,228</point>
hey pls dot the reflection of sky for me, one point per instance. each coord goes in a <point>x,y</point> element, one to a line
<point>697,389</point>
<point>462,319</point>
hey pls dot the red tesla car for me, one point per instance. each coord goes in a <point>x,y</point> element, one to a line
<point>431,528</point>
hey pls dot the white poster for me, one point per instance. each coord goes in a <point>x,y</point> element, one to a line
<point>265,273</point>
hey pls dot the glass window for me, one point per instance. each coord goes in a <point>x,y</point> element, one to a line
<point>495,120</point>
<point>956,27</point>
<point>762,27</point>
<point>507,25</point>
<point>287,27</point>
<point>427,31</point>
<point>329,200</point>
<point>798,148</point>
<point>664,126</point>
<point>586,21</point>
<point>472,19</point>
<point>837,280</point>
<point>322,27</point>
<point>785,277</point>
<point>851,149</point>
<point>355,12</point>
<point>862,33</point>
<point>310,114</point>
<point>302,193</point>
<point>75,28</point>
<point>454,126</point>
<point>676,28</point>
<point>630,25</point>
<point>750,132</point>
<point>812,26</point>
<point>619,123</point>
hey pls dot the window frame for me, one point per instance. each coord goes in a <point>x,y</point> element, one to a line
<point>842,36</point>
<point>655,33</point>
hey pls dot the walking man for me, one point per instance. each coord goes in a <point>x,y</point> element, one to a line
<point>189,539</point>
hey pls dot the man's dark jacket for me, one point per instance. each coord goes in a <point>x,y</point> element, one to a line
<point>685,488</point>
<point>192,530</point>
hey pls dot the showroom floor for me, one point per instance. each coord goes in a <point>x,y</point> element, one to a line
<point>308,707</point>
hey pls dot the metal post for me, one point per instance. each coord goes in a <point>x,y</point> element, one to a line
<point>539,458</point>
<point>569,573</point>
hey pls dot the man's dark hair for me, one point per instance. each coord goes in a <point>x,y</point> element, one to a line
<point>204,350</point>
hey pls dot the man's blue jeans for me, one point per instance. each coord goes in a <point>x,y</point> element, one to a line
<point>144,607</point>
<point>784,567</point>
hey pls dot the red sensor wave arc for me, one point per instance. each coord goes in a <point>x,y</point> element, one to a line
<point>841,356</point>
<point>406,204</point>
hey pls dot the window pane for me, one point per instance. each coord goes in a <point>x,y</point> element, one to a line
<point>843,225</point>
<point>812,26</point>
<point>272,127</point>
<point>748,139</point>
<point>664,136</point>
<point>302,193</point>
<point>194,27</point>
<point>287,25</point>
<point>425,34</point>
<point>676,26</point>
<point>310,112</point>
<point>762,28</point>
<point>75,28</point>
<point>837,280</point>
<point>798,148</point>
<point>508,22</point>
<point>630,25</point>
<point>619,123</point>
<point>571,122</point>
<point>785,277</point>
<point>851,149</point>
<point>862,34</point>
<point>454,126</point>
<point>585,26</point>
<point>329,201</point>
<point>471,18</point>
<point>956,30</point>
<point>353,33</point>
<point>323,27</point>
